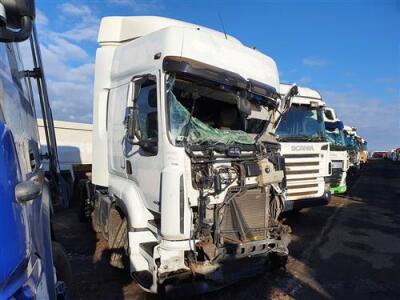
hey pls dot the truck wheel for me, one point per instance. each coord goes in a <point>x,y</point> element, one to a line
<point>96,227</point>
<point>61,264</point>
<point>118,240</point>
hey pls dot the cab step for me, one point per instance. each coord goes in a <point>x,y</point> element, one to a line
<point>148,249</point>
<point>154,226</point>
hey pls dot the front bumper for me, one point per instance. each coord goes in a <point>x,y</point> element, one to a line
<point>309,202</point>
<point>227,273</point>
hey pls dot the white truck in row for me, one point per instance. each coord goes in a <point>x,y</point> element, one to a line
<point>301,134</point>
<point>186,168</point>
<point>350,137</point>
<point>195,150</point>
<point>338,151</point>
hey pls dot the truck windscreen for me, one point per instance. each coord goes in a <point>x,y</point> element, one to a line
<point>350,142</point>
<point>302,123</point>
<point>205,115</point>
<point>335,135</point>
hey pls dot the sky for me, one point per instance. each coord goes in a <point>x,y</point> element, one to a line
<point>347,50</point>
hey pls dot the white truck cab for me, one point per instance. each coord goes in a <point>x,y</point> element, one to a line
<point>186,168</point>
<point>350,137</point>
<point>301,134</point>
<point>338,151</point>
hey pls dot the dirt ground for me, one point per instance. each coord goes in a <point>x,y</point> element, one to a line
<point>349,249</point>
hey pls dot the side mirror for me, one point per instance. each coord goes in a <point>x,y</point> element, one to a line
<point>286,103</point>
<point>17,18</point>
<point>28,190</point>
<point>150,146</point>
<point>131,113</point>
<point>287,99</point>
<point>134,89</point>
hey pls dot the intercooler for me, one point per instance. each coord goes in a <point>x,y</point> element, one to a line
<point>245,217</point>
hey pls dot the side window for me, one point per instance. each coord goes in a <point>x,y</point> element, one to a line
<point>146,106</point>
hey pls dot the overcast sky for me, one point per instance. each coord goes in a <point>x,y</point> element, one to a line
<point>347,50</point>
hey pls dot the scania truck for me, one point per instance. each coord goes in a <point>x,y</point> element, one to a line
<point>338,151</point>
<point>186,169</point>
<point>303,142</point>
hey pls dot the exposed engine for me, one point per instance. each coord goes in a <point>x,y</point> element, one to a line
<point>241,198</point>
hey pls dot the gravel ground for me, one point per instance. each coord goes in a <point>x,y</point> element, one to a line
<point>348,249</point>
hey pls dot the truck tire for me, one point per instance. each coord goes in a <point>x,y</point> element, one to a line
<point>118,240</point>
<point>61,264</point>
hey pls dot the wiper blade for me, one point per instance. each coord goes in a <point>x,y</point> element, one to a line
<point>294,138</point>
<point>317,139</point>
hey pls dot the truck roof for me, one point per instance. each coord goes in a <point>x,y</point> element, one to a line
<point>305,95</point>
<point>122,29</point>
<point>139,39</point>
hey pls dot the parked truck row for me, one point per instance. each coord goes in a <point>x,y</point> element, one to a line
<point>195,151</point>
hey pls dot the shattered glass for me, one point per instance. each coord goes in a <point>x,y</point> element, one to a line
<point>197,131</point>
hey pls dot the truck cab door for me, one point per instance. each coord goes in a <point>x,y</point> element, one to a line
<point>143,158</point>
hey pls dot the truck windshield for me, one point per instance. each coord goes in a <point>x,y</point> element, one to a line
<point>302,123</point>
<point>335,137</point>
<point>204,114</point>
<point>350,142</point>
<point>335,134</point>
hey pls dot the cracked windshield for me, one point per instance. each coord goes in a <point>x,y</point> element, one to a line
<point>205,115</point>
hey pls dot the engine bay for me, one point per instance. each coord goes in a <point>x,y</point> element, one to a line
<point>240,200</point>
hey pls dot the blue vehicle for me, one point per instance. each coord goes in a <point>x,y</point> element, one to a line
<point>32,265</point>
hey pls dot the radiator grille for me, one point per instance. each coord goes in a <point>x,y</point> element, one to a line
<point>245,217</point>
<point>301,175</point>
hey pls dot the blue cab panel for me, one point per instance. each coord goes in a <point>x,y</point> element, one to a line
<point>13,239</point>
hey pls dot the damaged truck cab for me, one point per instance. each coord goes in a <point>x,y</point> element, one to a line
<point>186,169</point>
<point>301,134</point>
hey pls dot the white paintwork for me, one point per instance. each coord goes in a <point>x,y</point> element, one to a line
<point>305,95</point>
<point>313,174</point>
<point>112,68</point>
<point>205,46</point>
<point>74,143</point>
<point>343,155</point>
<point>330,115</point>
<point>116,30</point>
<point>127,48</point>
